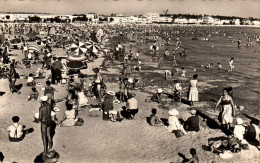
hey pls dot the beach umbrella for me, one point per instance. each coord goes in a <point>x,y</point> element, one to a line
<point>79,48</point>
<point>92,46</point>
<point>34,48</point>
<point>75,64</point>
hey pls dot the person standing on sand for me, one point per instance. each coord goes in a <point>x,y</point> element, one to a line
<point>46,123</point>
<point>227,111</point>
<point>12,78</point>
<point>239,42</point>
<point>193,91</point>
<point>231,64</point>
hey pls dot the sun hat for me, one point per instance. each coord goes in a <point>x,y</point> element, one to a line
<point>239,121</point>
<point>111,93</point>
<point>173,112</point>
<point>193,111</point>
<point>116,102</point>
<point>159,90</point>
<point>44,98</point>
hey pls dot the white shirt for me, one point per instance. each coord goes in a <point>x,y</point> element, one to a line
<point>174,123</point>
<point>30,79</point>
<point>132,103</point>
<point>239,132</point>
<point>11,129</point>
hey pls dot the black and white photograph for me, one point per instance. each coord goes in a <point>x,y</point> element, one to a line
<point>129,81</point>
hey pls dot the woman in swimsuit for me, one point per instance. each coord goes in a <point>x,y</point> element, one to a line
<point>227,110</point>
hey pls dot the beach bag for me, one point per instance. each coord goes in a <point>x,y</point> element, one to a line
<point>178,133</point>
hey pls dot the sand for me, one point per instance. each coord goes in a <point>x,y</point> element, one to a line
<point>103,141</point>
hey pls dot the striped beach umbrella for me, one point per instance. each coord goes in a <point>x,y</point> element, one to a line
<point>34,48</point>
<point>92,46</point>
<point>79,48</point>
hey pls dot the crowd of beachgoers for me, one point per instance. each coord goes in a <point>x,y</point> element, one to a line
<point>71,75</point>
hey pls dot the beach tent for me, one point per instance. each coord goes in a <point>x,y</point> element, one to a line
<point>79,48</point>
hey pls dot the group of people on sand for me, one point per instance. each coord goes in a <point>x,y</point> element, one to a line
<point>79,92</point>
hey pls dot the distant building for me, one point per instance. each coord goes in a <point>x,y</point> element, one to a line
<point>193,21</point>
<point>153,17</point>
<point>165,19</point>
<point>237,22</point>
<point>21,16</point>
<point>256,22</point>
<point>143,20</point>
<point>93,17</point>
<point>181,21</point>
<point>207,20</point>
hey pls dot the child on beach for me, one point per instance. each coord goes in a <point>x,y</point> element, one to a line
<point>183,73</point>
<point>157,96</point>
<point>160,62</point>
<point>166,53</point>
<point>30,80</point>
<point>34,94</point>
<point>177,90</point>
<point>174,60</point>
<point>219,66</point>
<point>239,42</point>
<point>154,120</point>
<point>137,55</point>
<point>49,91</point>
<point>194,158</point>
<point>16,130</point>
<point>231,64</point>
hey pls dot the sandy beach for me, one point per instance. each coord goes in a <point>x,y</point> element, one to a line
<point>135,140</point>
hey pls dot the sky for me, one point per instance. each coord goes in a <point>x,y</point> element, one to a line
<point>242,8</point>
